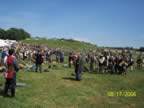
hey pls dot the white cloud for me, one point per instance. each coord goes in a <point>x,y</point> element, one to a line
<point>82,39</point>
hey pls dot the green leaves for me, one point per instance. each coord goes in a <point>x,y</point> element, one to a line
<point>14,34</point>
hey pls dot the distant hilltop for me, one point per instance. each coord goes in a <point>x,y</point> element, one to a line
<point>72,44</point>
<point>65,44</point>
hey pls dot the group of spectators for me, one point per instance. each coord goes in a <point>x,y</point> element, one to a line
<point>108,62</point>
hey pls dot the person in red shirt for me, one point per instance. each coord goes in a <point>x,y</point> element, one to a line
<point>12,68</point>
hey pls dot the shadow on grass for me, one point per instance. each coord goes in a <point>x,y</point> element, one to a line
<point>101,73</point>
<point>69,78</point>
<point>1,91</point>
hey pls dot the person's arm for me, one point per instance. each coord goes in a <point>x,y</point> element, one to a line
<point>16,64</point>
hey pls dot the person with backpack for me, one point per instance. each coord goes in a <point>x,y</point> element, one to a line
<point>11,69</point>
<point>38,61</point>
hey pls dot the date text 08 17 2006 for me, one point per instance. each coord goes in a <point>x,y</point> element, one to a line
<point>121,93</point>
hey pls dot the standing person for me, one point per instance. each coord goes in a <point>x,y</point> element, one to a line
<point>143,62</point>
<point>57,53</point>
<point>92,63</point>
<point>70,61</point>
<point>78,67</point>
<point>61,56</point>
<point>139,62</point>
<point>101,63</point>
<point>12,68</point>
<point>38,61</point>
<point>116,63</point>
<point>130,62</point>
<point>48,58</point>
<point>3,55</point>
<point>24,54</point>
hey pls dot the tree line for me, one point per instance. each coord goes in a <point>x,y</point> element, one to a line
<point>141,49</point>
<point>14,34</point>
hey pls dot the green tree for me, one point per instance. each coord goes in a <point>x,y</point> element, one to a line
<point>3,34</point>
<point>17,34</point>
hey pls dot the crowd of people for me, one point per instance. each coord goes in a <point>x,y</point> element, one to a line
<point>14,58</point>
<point>108,62</point>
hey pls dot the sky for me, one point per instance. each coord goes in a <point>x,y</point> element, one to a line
<point>116,23</point>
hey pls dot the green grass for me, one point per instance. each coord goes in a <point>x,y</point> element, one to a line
<point>55,89</point>
<point>63,44</point>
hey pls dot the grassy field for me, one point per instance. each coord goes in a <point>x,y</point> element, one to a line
<point>57,89</point>
<point>67,45</point>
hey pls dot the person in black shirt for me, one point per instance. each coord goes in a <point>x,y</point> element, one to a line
<point>38,60</point>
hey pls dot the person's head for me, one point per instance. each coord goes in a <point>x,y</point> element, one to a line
<point>78,54</point>
<point>11,51</point>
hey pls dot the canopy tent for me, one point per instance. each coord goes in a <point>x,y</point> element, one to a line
<point>3,43</point>
<point>8,43</point>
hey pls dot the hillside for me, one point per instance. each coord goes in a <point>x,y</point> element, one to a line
<point>65,44</point>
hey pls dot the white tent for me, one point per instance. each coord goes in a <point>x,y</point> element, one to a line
<point>3,43</point>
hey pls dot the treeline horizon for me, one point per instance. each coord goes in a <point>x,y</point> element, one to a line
<point>20,34</point>
<point>14,34</point>
<point>141,49</point>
